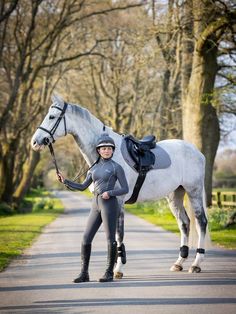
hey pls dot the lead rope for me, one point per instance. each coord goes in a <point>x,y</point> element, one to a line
<point>80,175</point>
<point>56,166</point>
<point>53,157</point>
<point>51,147</point>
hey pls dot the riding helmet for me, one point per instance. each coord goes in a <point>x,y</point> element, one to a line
<point>105,140</point>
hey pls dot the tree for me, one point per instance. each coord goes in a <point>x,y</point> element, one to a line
<point>122,88</point>
<point>211,20</point>
<point>169,37</point>
<point>32,49</point>
<point>192,40</point>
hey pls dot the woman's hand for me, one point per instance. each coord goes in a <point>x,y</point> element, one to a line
<point>60,177</point>
<point>105,196</point>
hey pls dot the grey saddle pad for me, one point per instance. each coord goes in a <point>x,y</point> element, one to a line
<point>162,158</point>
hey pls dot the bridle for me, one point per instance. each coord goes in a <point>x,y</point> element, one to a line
<point>52,132</point>
<point>56,124</point>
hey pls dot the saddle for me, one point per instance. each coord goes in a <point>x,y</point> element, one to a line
<point>140,151</point>
<point>144,159</point>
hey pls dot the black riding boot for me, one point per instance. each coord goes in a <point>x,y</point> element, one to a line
<point>85,257</point>
<point>111,258</point>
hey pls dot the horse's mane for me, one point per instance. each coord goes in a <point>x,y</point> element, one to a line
<point>84,113</point>
<point>87,115</point>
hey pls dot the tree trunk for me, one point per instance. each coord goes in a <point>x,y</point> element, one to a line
<point>200,121</point>
<point>8,151</point>
<point>28,171</point>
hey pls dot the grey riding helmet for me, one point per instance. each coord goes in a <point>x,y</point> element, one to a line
<point>105,140</point>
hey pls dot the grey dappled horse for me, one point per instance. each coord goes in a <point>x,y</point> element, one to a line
<point>184,175</point>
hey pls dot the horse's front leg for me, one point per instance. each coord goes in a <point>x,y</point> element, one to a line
<point>121,254</point>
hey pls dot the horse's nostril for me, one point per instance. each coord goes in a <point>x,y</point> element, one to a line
<point>33,142</point>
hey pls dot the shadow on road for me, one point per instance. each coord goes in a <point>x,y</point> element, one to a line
<point>135,281</point>
<point>50,304</point>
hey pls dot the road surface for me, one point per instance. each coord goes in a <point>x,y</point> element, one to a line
<point>41,280</point>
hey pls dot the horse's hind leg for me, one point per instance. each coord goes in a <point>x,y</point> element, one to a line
<point>121,254</point>
<point>197,203</point>
<point>175,201</point>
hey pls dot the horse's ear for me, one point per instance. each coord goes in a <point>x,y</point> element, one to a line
<point>58,99</point>
<point>53,98</point>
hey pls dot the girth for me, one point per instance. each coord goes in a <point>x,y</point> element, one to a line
<point>140,152</point>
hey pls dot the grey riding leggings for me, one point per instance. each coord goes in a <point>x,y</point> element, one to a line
<point>102,211</point>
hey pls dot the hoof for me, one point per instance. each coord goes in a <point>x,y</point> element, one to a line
<point>194,269</point>
<point>176,267</point>
<point>118,275</point>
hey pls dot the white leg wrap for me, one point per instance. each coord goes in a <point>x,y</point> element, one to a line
<point>119,266</point>
<point>198,260</point>
<point>180,260</point>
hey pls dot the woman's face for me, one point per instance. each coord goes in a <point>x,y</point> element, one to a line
<point>105,152</point>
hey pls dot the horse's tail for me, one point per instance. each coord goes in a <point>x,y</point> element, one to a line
<point>208,243</point>
<point>193,235</point>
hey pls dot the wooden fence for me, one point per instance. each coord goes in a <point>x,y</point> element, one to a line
<point>223,199</point>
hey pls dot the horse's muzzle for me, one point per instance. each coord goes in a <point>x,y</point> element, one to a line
<point>36,146</point>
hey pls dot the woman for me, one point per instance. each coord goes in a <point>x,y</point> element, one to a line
<point>104,174</point>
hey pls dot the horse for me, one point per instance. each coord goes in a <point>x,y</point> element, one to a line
<point>185,175</point>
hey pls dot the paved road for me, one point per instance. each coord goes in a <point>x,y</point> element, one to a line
<point>41,280</point>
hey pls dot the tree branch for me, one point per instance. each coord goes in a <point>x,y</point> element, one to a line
<point>76,56</point>
<point>105,11</point>
<point>7,13</point>
<point>212,28</point>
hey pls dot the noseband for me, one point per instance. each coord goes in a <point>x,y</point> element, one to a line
<point>55,126</point>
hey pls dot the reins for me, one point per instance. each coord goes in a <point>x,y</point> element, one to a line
<point>53,157</point>
<point>56,166</point>
<point>80,175</point>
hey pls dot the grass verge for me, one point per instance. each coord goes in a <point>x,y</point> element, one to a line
<point>17,232</point>
<point>159,214</point>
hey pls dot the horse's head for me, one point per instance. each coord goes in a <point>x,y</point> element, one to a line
<point>53,125</point>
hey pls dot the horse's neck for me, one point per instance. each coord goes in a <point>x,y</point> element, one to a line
<point>85,129</point>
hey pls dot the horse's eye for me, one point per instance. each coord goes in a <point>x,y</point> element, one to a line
<point>51,117</point>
